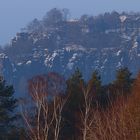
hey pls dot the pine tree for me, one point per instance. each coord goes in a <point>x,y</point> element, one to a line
<point>95,84</point>
<point>74,104</point>
<point>123,82</point>
<point>97,91</point>
<point>7,106</point>
<point>74,89</point>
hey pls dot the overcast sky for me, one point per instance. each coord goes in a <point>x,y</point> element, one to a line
<point>15,14</point>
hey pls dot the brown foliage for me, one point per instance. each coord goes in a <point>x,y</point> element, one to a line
<point>120,121</point>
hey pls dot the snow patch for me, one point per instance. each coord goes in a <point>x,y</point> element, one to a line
<point>112,31</point>
<point>35,40</point>
<point>29,62</point>
<point>50,58</point>
<point>2,55</point>
<point>14,69</point>
<point>73,57</point>
<point>74,47</point>
<point>118,53</point>
<point>123,18</point>
<point>70,65</point>
<point>102,67</point>
<point>105,61</point>
<point>119,65</point>
<point>85,30</point>
<point>135,44</point>
<point>124,36</point>
<point>54,55</point>
<point>72,20</point>
<point>19,64</point>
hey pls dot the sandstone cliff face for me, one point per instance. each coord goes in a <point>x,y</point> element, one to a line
<point>71,44</point>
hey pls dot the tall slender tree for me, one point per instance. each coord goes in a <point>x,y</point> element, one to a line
<point>95,84</point>
<point>73,106</point>
<point>123,82</point>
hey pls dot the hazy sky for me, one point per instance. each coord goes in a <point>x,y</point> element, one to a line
<point>15,14</point>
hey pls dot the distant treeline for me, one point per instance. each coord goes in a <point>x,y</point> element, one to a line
<point>109,20</point>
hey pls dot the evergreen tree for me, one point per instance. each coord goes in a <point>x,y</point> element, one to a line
<point>74,89</point>
<point>95,83</point>
<point>53,17</point>
<point>74,104</point>
<point>97,91</point>
<point>123,82</point>
<point>7,106</point>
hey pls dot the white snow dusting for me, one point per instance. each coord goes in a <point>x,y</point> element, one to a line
<point>123,18</point>
<point>118,53</point>
<point>29,62</point>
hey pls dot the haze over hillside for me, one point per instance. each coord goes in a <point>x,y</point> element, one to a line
<point>56,43</point>
<point>70,70</point>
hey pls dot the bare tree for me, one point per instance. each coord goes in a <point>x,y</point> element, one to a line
<point>86,110</point>
<point>47,102</point>
<point>117,122</point>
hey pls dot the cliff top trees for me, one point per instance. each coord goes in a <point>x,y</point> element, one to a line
<point>55,16</point>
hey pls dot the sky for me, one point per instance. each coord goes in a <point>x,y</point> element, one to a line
<point>16,14</point>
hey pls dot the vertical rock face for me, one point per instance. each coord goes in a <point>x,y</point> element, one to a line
<point>104,43</point>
